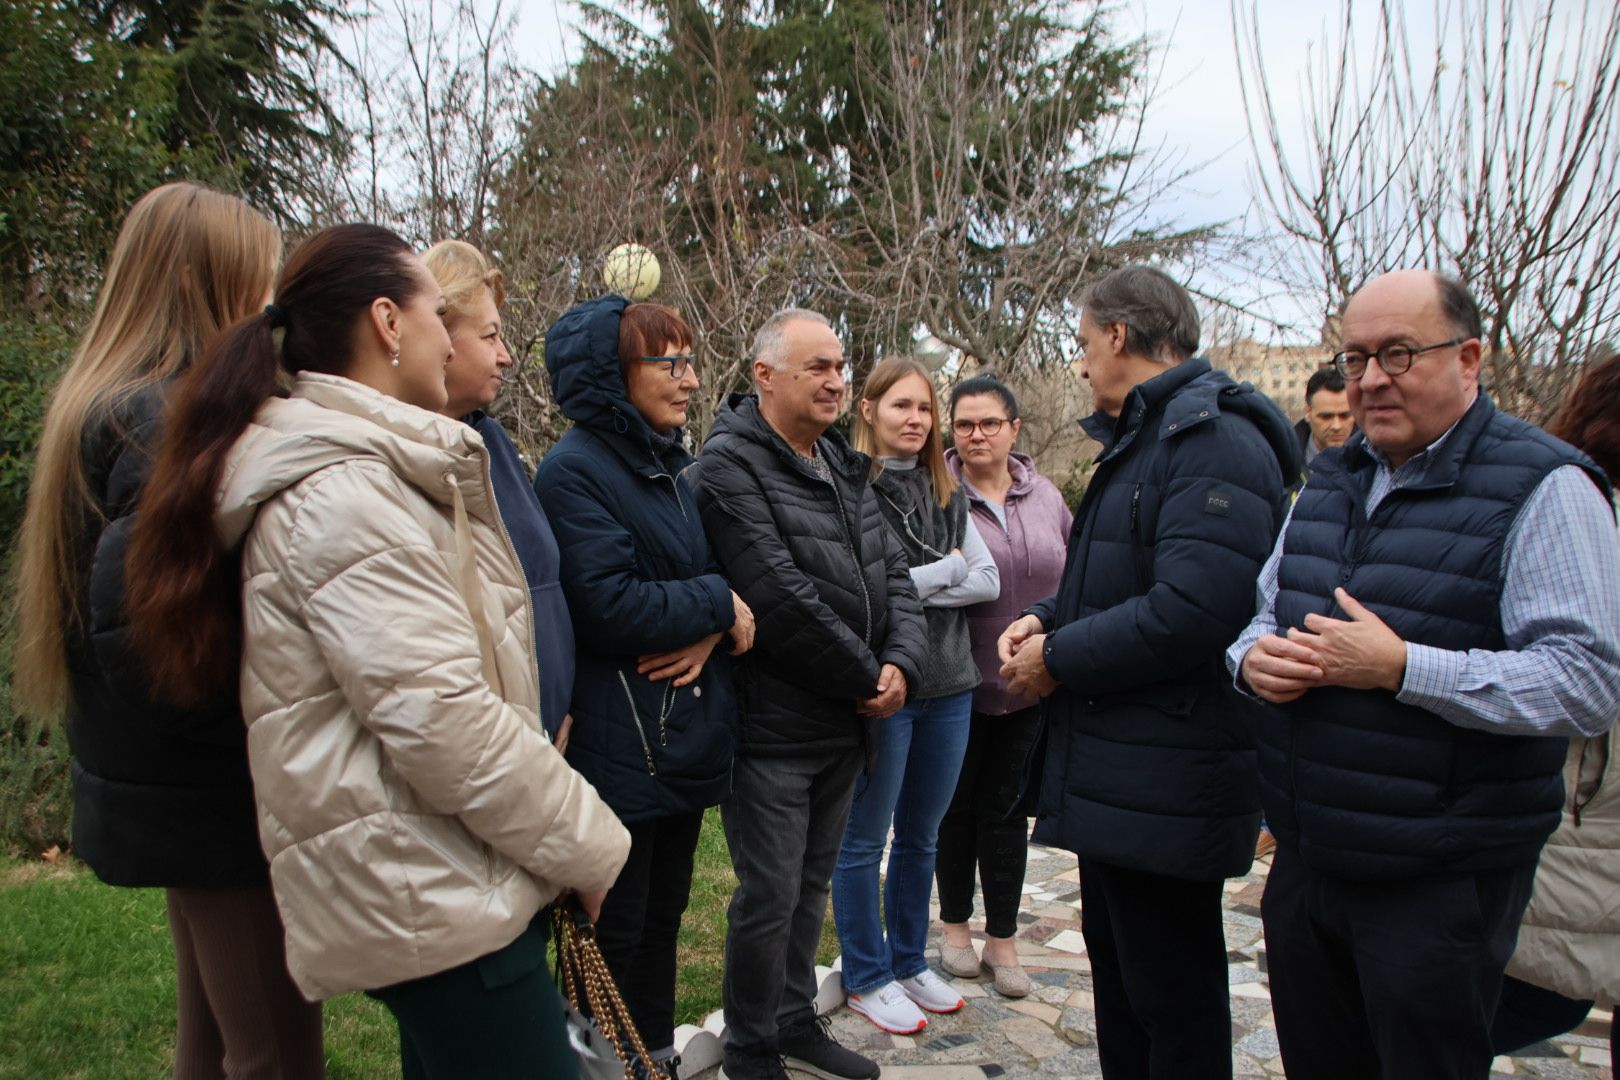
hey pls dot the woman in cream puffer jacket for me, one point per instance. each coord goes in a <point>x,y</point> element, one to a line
<point>414,813</point>
<point>422,835</point>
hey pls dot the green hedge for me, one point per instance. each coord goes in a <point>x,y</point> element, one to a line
<point>34,799</point>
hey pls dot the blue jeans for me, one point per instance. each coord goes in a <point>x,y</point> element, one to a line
<point>919,757</point>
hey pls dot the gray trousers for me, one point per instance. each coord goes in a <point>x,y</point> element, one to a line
<point>784,824</point>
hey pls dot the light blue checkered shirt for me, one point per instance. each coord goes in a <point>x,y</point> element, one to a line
<point>1560,672</point>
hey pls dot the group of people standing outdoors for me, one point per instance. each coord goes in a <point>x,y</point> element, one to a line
<point>365,700</point>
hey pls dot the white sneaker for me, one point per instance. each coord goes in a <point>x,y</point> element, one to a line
<point>931,992</point>
<point>890,1008</point>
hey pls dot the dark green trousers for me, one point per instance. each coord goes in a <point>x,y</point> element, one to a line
<point>499,1017</point>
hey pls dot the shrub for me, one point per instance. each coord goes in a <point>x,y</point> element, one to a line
<point>35,803</point>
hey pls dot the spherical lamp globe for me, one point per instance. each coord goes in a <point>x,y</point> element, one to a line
<point>631,270</point>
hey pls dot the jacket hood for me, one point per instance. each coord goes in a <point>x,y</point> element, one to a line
<point>1020,465</point>
<point>582,359</point>
<point>1189,394</point>
<point>741,418</point>
<point>328,420</point>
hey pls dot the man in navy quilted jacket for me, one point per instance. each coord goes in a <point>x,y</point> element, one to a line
<point>1442,609</point>
<point>1150,768</point>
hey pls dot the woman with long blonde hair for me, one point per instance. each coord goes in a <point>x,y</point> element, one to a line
<point>921,747</point>
<point>161,793</point>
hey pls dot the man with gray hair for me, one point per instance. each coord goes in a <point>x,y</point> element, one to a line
<point>1150,769</point>
<point>839,638</point>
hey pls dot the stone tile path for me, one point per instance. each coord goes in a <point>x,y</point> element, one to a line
<point>1052,1033</point>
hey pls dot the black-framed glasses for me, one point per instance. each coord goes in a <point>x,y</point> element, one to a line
<point>1393,359</point>
<point>990,425</point>
<point>677,364</point>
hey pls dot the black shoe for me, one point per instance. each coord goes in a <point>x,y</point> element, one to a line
<point>752,1066</point>
<point>810,1047</point>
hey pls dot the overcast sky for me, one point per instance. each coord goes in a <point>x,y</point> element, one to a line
<point>1196,116</point>
<point>1197,111</point>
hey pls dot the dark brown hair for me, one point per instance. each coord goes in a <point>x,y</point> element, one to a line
<point>184,588</point>
<point>1590,418</point>
<point>646,328</point>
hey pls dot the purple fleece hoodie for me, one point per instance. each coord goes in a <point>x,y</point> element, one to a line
<point>1029,553</point>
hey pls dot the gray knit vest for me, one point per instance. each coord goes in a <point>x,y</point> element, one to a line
<point>928,532</point>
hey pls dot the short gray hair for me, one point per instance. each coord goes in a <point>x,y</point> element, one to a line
<point>769,345</point>
<point>1160,320</point>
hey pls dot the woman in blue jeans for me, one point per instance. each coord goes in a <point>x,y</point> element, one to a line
<point>921,746</point>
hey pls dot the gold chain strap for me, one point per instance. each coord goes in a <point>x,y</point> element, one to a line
<point>590,987</point>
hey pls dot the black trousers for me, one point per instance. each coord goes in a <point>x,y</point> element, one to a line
<point>784,824</point>
<point>984,827</point>
<point>499,1017</point>
<point>641,919</point>
<point>1159,974</point>
<point>1388,980</point>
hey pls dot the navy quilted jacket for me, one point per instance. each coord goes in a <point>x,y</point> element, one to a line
<point>640,578</point>
<point>1151,761</point>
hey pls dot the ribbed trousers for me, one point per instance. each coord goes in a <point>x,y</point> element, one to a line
<point>240,1016</point>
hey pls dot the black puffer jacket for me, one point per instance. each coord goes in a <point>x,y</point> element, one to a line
<point>161,796</point>
<point>829,586</point>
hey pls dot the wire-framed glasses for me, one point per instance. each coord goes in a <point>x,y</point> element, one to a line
<point>1394,359</point>
<point>677,364</point>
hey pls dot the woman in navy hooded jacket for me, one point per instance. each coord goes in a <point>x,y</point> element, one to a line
<point>654,712</point>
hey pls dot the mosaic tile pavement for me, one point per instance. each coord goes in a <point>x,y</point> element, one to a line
<point>1052,1033</point>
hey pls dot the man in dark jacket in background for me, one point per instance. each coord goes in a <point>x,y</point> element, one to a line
<point>1150,769</point>
<point>1327,421</point>
<point>839,637</point>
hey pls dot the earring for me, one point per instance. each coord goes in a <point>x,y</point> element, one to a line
<point>393,358</point>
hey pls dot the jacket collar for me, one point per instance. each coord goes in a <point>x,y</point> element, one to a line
<point>1020,465</point>
<point>742,417</point>
<point>328,420</point>
<point>1448,453</point>
<point>1179,398</point>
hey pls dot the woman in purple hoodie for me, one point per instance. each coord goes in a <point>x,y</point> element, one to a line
<point>1023,519</point>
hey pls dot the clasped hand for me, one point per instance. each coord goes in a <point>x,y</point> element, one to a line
<point>890,696</point>
<point>1360,652</point>
<point>685,664</point>
<point>1021,648</point>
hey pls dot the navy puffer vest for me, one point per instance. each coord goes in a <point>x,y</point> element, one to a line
<point>1367,787</point>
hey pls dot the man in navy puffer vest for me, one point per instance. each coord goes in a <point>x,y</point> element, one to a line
<point>1150,769</point>
<point>1439,613</point>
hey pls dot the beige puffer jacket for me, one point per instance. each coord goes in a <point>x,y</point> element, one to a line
<point>1570,938</point>
<point>414,813</point>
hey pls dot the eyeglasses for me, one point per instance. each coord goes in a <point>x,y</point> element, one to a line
<point>677,364</point>
<point>990,425</point>
<point>1393,359</point>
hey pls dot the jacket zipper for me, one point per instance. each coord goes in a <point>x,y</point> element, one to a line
<point>855,556</point>
<point>641,733</point>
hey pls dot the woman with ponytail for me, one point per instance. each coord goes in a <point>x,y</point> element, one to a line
<point>338,552</point>
<point>161,793</point>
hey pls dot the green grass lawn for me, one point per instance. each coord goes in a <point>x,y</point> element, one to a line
<point>87,975</point>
